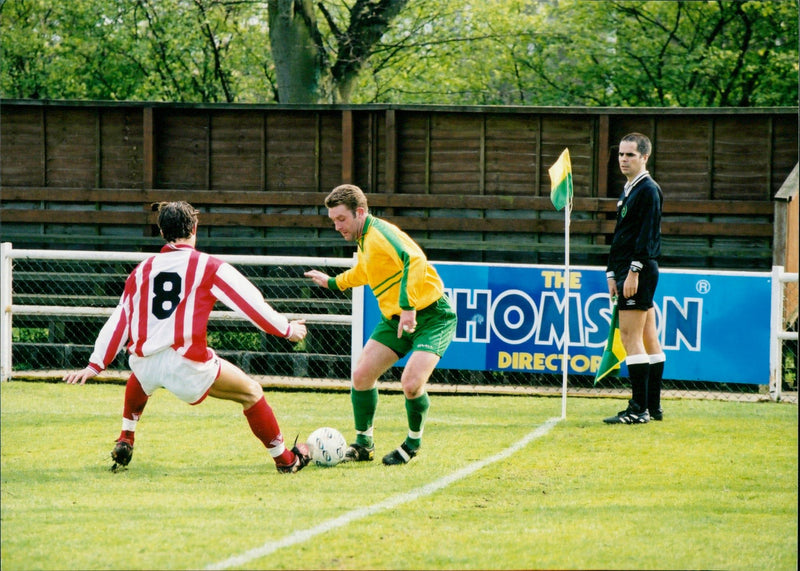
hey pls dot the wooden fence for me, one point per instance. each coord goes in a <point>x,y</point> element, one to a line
<point>468,183</point>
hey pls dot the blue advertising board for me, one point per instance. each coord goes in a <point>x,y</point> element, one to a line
<point>713,326</point>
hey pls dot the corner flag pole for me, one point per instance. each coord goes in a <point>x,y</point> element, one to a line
<point>561,197</point>
<point>565,359</point>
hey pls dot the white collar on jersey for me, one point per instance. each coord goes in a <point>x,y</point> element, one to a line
<point>176,246</point>
<point>629,185</point>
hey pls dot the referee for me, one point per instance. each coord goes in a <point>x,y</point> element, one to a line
<point>632,274</point>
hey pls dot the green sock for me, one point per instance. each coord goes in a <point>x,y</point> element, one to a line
<point>417,411</point>
<point>364,405</point>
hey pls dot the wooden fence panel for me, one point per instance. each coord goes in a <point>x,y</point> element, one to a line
<point>511,155</point>
<point>120,151</point>
<point>414,145</point>
<point>741,158</point>
<point>681,162</point>
<point>291,152</point>
<point>71,147</point>
<point>784,150</point>
<point>22,151</point>
<point>182,149</point>
<point>89,171</point>
<point>236,150</point>
<point>575,133</point>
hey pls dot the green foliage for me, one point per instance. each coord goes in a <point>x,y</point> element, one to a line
<point>598,54</point>
<point>789,367</point>
<point>166,50</point>
<point>235,340</point>
<point>515,52</point>
<point>29,334</point>
<point>714,486</point>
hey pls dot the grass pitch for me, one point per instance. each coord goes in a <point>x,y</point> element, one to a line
<point>713,486</point>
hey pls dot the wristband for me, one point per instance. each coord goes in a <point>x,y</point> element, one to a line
<point>610,275</point>
<point>636,267</point>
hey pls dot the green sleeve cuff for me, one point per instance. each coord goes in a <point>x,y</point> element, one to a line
<point>332,284</point>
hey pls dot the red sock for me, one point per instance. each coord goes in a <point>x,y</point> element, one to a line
<point>135,401</point>
<point>265,426</point>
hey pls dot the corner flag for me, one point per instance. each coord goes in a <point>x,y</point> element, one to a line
<point>561,181</point>
<point>561,197</point>
<point>614,352</point>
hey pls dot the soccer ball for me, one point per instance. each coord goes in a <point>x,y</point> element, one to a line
<point>327,446</point>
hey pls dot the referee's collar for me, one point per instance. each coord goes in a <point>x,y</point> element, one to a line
<point>629,185</point>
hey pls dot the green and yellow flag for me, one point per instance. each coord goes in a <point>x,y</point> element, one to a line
<point>614,353</point>
<point>561,181</point>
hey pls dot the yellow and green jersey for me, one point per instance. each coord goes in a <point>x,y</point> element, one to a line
<point>394,267</point>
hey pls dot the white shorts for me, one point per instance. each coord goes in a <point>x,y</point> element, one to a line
<point>188,380</point>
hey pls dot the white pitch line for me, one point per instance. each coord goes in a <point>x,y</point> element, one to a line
<point>306,534</point>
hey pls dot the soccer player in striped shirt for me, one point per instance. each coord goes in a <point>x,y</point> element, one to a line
<point>161,321</point>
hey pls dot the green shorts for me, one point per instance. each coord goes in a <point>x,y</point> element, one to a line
<point>436,326</point>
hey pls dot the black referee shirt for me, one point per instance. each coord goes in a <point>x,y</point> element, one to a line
<point>637,235</point>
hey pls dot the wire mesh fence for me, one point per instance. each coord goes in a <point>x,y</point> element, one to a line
<point>787,337</point>
<point>61,304</point>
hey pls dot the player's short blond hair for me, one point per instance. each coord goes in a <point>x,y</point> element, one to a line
<point>349,195</point>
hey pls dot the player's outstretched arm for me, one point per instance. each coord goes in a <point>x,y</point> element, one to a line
<point>79,377</point>
<point>318,277</point>
<point>297,330</point>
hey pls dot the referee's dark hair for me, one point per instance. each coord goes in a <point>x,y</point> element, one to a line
<point>643,144</point>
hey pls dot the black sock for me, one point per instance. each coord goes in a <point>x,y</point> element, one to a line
<point>639,373</point>
<point>654,386</point>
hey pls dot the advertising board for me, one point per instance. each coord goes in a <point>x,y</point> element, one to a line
<point>713,325</point>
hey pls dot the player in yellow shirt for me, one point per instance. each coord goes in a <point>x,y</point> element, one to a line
<point>417,318</point>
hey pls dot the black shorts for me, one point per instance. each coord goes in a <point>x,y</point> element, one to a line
<point>643,300</point>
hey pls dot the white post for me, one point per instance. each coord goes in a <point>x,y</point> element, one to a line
<point>357,331</point>
<point>5,311</point>
<point>565,360</point>
<point>775,329</point>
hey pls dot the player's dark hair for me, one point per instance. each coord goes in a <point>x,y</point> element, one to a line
<point>176,220</point>
<point>643,144</point>
<point>349,195</point>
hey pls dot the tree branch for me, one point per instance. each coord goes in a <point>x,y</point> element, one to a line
<point>212,42</point>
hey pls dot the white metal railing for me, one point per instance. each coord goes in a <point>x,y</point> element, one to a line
<point>8,308</point>
<point>778,332</point>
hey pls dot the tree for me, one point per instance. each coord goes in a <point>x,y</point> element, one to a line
<point>454,54</point>
<point>720,53</point>
<point>302,57</point>
<point>459,52</point>
<point>24,55</point>
<point>174,50</point>
<point>296,50</point>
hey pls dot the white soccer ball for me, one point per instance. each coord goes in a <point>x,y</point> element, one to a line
<point>327,446</point>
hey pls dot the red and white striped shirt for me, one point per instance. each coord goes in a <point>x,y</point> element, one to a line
<point>167,302</point>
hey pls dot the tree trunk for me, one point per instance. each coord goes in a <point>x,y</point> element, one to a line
<point>298,57</point>
<point>369,20</point>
